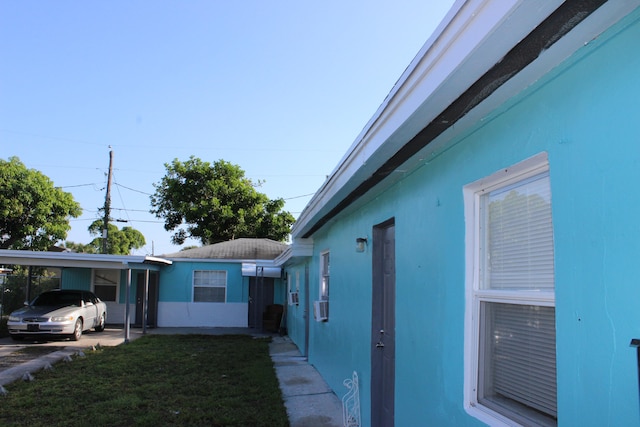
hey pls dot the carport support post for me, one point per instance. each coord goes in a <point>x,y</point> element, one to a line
<point>146,301</point>
<point>127,312</point>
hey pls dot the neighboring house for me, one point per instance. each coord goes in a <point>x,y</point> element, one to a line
<point>227,284</point>
<point>473,257</point>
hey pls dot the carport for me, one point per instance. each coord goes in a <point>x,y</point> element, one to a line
<point>93,261</point>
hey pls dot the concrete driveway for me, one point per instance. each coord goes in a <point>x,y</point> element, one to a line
<point>111,336</point>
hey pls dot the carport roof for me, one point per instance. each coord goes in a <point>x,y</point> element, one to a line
<point>71,259</point>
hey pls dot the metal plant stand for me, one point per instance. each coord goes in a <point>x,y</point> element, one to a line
<point>351,402</point>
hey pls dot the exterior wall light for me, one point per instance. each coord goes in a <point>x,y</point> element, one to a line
<point>361,243</point>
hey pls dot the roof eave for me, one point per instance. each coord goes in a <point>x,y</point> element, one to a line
<point>474,37</point>
<point>82,260</point>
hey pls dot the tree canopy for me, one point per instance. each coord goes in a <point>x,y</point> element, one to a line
<point>34,214</point>
<point>119,241</point>
<point>215,203</point>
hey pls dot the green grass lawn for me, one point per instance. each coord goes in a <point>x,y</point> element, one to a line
<point>156,380</point>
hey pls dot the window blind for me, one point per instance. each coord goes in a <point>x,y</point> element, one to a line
<point>519,356</point>
<point>519,237</point>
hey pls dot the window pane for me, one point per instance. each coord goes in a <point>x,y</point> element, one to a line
<point>324,279</point>
<point>210,278</point>
<point>209,286</point>
<point>517,236</point>
<point>106,293</point>
<point>518,361</point>
<point>106,277</point>
<point>209,294</point>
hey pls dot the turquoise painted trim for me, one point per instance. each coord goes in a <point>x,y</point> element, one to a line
<point>586,116</point>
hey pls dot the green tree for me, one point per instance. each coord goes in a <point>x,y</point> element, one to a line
<point>80,247</point>
<point>33,213</point>
<point>119,242</point>
<point>215,203</point>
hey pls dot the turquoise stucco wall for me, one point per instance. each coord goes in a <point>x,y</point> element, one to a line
<point>176,280</point>
<point>80,278</point>
<point>585,115</point>
<point>296,313</point>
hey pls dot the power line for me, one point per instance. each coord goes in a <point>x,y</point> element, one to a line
<point>80,185</point>
<point>132,189</point>
<point>298,197</point>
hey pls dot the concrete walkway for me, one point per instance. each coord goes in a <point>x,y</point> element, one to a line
<point>308,399</point>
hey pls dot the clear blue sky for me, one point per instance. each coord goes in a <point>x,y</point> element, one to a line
<point>280,88</point>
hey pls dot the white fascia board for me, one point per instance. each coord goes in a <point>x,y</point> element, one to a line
<point>157,260</point>
<point>60,259</point>
<point>72,259</point>
<point>474,36</point>
<point>260,262</point>
<point>300,248</point>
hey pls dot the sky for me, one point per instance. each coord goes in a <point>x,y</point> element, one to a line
<point>281,88</point>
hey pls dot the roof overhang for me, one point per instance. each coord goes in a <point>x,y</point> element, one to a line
<point>71,259</point>
<point>300,248</point>
<point>483,53</point>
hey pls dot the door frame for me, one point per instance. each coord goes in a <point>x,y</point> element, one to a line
<point>148,301</point>
<point>261,292</point>
<point>383,323</point>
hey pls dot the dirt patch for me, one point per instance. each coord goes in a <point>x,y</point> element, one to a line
<point>25,354</point>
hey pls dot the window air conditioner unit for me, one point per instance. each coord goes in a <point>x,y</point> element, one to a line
<point>321,311</point>
<point>294,298</point>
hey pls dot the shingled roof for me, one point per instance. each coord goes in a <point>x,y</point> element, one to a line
<point>247,249</point>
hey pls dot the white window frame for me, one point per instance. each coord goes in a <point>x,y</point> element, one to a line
<point>475,295</point>
<point>106,271</point>
<point>324,287</point>
<point>212,285</point>
<point>292,293</point>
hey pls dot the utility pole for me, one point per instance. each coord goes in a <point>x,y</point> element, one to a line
<point>107,206</point>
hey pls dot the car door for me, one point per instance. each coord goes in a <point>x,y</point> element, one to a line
<point>89,311</point>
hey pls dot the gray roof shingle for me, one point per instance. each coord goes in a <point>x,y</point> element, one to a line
<point>245,248</point>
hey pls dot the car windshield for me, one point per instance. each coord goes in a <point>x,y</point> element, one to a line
<point>53,299</point>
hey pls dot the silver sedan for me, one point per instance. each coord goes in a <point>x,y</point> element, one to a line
<point>61,312</point>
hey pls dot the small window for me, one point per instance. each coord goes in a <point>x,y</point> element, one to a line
<point>292,291</point>
<point>209,286</point>
<point>511,351</point>
<point>106,284</point>
<point>324,276</point>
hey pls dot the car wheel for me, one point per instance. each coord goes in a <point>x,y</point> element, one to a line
<point>17,337</point>
<point>100,326</point>
<point>77,330</point>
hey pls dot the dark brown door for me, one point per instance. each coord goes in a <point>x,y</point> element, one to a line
<point>260,296</point>
<point>152,307</point>
<point>383,326</point>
